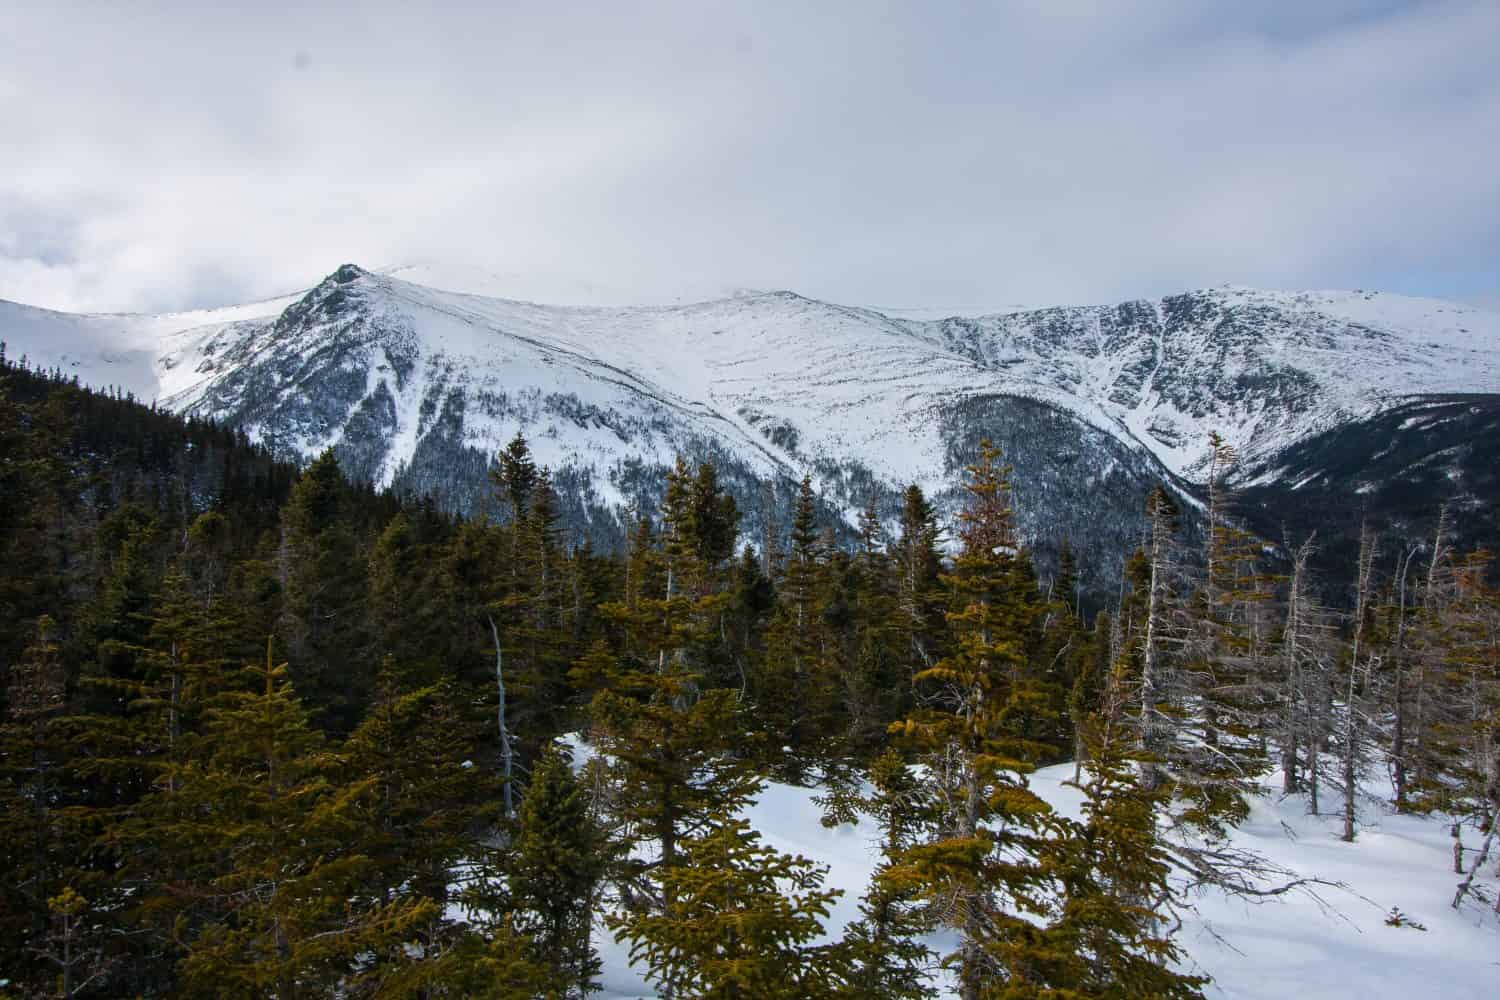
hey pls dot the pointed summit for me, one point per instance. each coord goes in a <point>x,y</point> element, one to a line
<point>324,301</point>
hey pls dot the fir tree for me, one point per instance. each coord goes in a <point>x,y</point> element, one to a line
<point>423,803</point>
<point>739,922</point>
<point>1108,935</point>
<point>886,953</point>
<point>796,694</point>
<point>922,626</point>
<point>875,679</point>
<point>37,826</point>
<point>554,867</point>
<point>324,585</point>
<point>267,842</point>
<point>677,747</point>
<point>977,737</point>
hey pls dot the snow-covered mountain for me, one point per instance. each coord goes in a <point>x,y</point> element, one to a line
<point>417,388</point>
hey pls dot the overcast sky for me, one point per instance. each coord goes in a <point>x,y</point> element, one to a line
<point>157,156</point>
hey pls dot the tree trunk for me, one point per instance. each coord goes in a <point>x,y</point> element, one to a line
<point>1352,734</point>
<point>973,929</point>
<point>507,754</point>
<point>1398,742</point>
<point>1153,736</point>
<point>1479,860</point>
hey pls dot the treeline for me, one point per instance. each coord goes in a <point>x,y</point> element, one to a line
<point>267,733</point>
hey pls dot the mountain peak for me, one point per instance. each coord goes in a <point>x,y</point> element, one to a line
<point>347,273</point>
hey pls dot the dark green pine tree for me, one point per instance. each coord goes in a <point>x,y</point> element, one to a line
<point>515,477</point>
<point>524,614</point>
<point>1065,585</point>
<point>875,675</point>
<point>184,667</point>
<point>887,954</point>
<point>553,872</point>
<point>1229,666</point>
<point>406,616</point>
<point>677,748</point>
<point>494,964</point>
<point>675,754</point>
<point>1089,666</point>
<point>738,923</point>
<point>796,695</point>
<point>109,643</point>
<point>977,735</point>
<point>534,610</point>
<point>42,834</point>
<point>921,626</point>
<point>1109,936</point>
<point>425,798</point>
<point>324,585</point>
<point>273,890</point>
<point>752,599</point>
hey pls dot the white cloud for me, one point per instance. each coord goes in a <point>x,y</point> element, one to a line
<point>170,155</point>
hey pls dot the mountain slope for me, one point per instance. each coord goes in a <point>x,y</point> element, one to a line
<point>126,351</point>
<point>1265,369</point>
<point>416,389</point>
<point>1395,469</point>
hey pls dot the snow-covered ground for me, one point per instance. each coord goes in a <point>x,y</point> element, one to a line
<point>1334,943</point>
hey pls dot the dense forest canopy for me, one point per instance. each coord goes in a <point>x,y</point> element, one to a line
<point>267,732</point>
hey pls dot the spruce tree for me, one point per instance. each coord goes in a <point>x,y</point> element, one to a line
<point>324,583</point>
<point>40,833</point>
<point>886,951</point>
<point>677,747</point>
<point>425,798</point>
<point>1228,663</point>
<point>875,678</point>
<point>977,737</point>
<point>796,694</point>
<point>1108,933</point>
<point>922,628</point>
<point>273,887</point>
<point>553,870</point>
<point>738,922</point>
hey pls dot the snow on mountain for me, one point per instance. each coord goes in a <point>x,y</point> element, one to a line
<point>1265,369</point>
<point>128,351</point>
<point>416,388</point>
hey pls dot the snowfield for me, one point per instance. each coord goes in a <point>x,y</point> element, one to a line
<point>1328,941</point>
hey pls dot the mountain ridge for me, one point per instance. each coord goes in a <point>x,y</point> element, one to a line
<point>416,388</point>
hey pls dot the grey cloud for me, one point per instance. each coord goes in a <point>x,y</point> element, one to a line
<point>898,154</point>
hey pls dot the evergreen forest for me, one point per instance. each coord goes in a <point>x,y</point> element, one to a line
<point>267,732</point>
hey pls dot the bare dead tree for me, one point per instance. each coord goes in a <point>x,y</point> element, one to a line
<point>1354,710</point>
<point>507,752</point>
